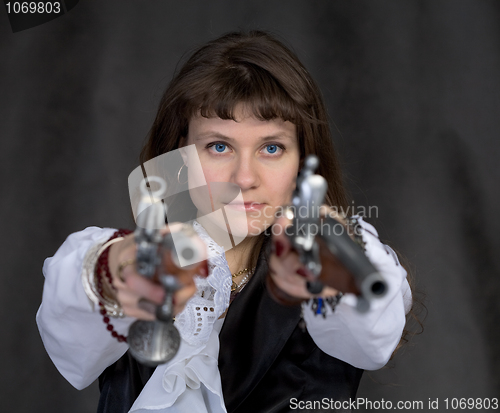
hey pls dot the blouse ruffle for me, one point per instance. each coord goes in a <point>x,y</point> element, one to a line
<point>191,381</point>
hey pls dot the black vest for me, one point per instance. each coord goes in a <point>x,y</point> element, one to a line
<point>265,359</point>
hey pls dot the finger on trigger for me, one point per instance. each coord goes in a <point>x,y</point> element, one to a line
<point>147,306</point>
<point>288,282</point>
<point>140,314</point>
<point>146,288</point>
<point>125,271</point>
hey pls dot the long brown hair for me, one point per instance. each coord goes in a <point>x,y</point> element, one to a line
<point>260,71</point>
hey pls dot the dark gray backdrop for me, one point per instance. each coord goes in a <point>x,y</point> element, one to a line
<point>413,89</point>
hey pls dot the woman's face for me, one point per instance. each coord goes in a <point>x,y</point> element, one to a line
<point>260,157</point>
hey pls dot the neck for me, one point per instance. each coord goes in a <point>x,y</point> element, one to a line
<point>238,257</point>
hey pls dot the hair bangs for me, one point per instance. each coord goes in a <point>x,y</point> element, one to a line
<point>253,87</point>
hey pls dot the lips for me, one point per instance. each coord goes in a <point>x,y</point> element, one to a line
<point>246,206</point>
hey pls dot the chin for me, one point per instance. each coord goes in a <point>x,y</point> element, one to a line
<point>241,229</point>
<point>257,226</point>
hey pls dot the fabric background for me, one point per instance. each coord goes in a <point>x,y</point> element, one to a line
<point>411,86</point>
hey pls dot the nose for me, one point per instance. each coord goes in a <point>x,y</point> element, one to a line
<point>245,173</point>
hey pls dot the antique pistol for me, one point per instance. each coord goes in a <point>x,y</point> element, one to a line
<point>323,242</point>
<point>156,342</point>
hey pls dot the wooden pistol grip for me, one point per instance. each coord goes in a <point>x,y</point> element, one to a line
<point>333,273</point>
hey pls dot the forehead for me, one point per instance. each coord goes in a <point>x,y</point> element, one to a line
<point>245,126</point>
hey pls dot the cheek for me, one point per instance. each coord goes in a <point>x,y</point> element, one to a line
<point>213,171</point>
<point>281,188</point>
<point>213,174</point>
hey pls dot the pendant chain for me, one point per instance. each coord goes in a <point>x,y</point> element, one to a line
<point>245,279</point>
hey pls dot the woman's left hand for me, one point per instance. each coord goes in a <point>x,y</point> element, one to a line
<point>285,268</point>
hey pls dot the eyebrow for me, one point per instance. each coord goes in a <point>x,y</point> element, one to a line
<point>224,137</point>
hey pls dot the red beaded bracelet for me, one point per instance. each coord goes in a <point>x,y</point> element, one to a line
<point>102,268</point>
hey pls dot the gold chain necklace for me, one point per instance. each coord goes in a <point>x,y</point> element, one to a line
<point>249,272</point>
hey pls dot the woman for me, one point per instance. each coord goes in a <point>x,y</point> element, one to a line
<point>253,113</point>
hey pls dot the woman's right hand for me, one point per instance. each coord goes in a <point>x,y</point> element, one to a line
<point>131,287</point>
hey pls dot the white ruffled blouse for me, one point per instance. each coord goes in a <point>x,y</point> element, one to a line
<point>81,348</point>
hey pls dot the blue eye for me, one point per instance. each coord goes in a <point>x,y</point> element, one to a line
<point>220,147</point>
<point>272,148</point>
